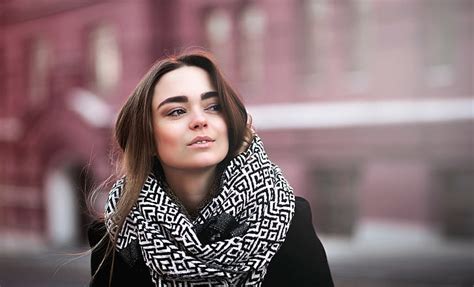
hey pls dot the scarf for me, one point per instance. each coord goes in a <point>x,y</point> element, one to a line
<point>232,240</point>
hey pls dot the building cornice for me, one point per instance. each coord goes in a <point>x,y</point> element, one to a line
<point>360,113</point>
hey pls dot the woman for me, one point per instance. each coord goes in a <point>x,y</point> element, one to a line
<point>199,203</point>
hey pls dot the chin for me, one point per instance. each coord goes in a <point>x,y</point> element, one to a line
<point>205,162</point>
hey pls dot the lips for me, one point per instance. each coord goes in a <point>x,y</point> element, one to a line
<point>200,140</point>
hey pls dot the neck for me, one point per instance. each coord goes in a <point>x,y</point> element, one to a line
<point>191,188</point>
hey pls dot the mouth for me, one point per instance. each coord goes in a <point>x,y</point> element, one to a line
<point>201,140</point>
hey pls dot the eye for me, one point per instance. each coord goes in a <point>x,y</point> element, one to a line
<point>214,108</point>
<point>176,112</point>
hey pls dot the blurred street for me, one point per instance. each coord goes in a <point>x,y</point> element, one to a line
<point>411,266</point>
<point>394,265</point>
<point>47,269</point>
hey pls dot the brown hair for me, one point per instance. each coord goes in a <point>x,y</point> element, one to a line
<point>134,132</point>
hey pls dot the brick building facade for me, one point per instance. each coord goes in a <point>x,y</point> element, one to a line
<point>366,105</point>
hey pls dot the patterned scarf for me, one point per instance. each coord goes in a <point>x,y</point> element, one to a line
<point>232,240</point>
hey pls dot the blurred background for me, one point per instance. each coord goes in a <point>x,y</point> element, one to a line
<point>366,105</point>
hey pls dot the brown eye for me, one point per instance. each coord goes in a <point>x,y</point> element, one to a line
<point>214,108</point>
<point>176,112</point>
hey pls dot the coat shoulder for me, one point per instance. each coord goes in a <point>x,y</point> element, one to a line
<point>301,260</point>
<point>123,273</point>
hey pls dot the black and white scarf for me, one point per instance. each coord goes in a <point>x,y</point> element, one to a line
<point>232,240</point>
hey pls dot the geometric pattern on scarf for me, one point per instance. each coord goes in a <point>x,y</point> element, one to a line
<point>253,190</point>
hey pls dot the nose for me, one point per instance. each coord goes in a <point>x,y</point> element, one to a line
<point>198,121</point>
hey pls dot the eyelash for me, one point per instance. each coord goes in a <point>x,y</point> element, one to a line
<point>214,107</point>
<point>179,111</point>
<point>176,112</point>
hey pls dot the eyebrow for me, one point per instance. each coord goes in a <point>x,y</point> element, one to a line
<point>184,99</point>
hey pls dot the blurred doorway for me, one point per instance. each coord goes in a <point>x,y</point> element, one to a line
<point>455,198</point>
<point>335,200</point>
<point>66,212</point>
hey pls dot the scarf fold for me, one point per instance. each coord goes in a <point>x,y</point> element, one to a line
<point>254,198</point>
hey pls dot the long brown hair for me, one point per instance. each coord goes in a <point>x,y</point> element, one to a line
<point>134,132</point>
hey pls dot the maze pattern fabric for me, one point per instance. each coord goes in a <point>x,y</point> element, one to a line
<point>253,190</point>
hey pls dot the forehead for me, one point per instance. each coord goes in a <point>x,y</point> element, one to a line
<point>185,81</point>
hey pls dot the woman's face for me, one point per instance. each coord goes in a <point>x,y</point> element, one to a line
<point>188,126</point>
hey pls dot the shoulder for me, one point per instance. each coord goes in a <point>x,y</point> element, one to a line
<point>103,264</point>
<point>301,229</point>
<point>301,259</point>
<point>95,232</point>
<point>302,208</point>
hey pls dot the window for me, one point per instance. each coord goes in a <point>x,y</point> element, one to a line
<point>3,86</point>
<point>106,66</point>
<point>439,40</point>
<point>38,71</point>
<point>313,36</point>
<point>252,30</point>
<point>218,30</point>
<point>357,43</point>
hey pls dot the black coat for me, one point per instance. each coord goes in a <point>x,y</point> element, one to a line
<point>301,260</point>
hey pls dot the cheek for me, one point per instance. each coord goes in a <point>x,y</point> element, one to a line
<point>165,139</point>
<point>223,130</point>
<point>221,125</point>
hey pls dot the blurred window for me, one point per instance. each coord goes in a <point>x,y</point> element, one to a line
<point>39,60</point>
<point>439,33</point>
<point>334,200</point>
<point>252,25</point>
<point>314,12</point>
<point>455,202</point>
<point>106,65</point>
<point>3,76</point>
<point>218,25</point>
<point>357,43</point>
<point>358,34</point>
